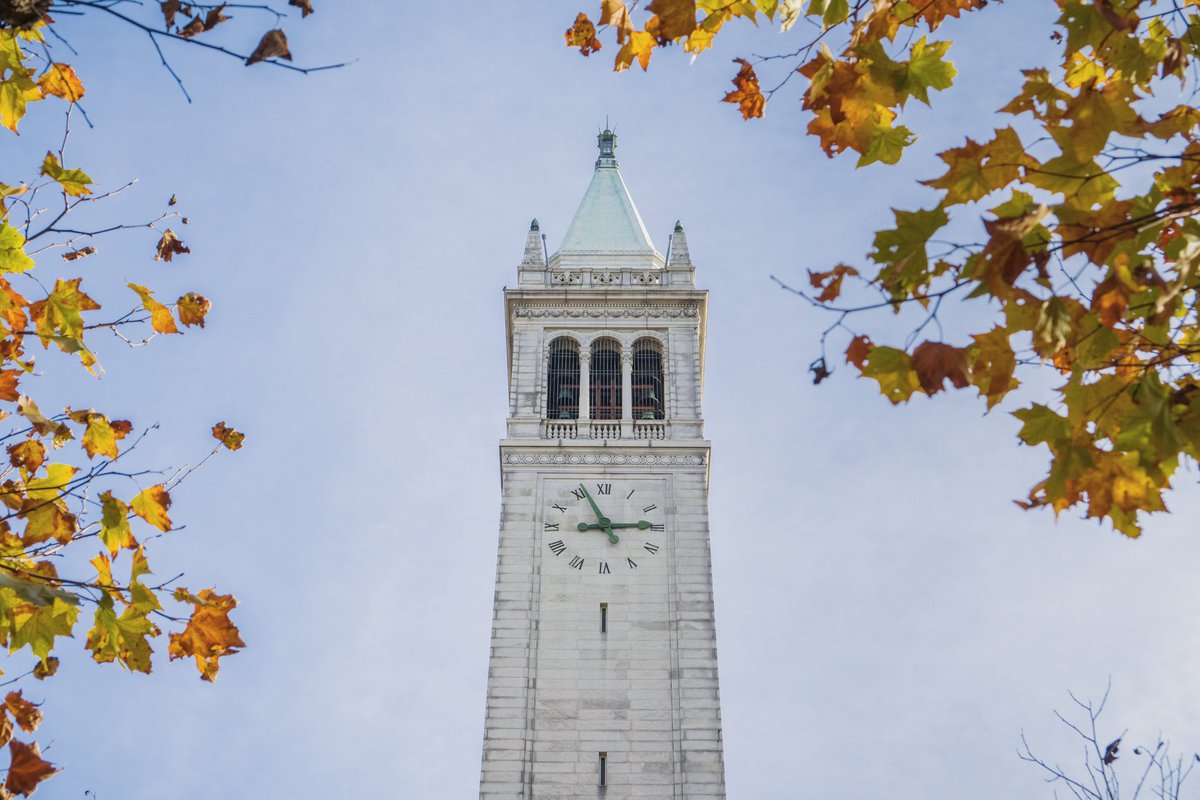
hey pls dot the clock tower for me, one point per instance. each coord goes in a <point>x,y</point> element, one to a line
<point>603,671</point>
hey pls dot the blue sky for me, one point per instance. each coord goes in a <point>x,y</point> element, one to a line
<point>888,621</point>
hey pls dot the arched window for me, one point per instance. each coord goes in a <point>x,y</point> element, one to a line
<point>648,380</point>
<point>605,379</point>
<point>562,380</point>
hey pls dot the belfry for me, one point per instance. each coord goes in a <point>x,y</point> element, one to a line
<point>602,679</point>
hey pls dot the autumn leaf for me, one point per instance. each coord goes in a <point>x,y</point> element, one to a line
<point>214,17</point>
<point>169,9</point>
<point>60,80</point>
<point>637,47</point>
<point>74,182</point>
<point>28,456</point>
<point>26,768</point>
<point>114,525</point>
<point>192,309</point>
<point>8,384</point>
<point>746,92</point>
<point>272,45</point>
<point>228,436</point>
<point>195,26</point>
<point>937,362</point>
<point>151,505</point>
<point>160,316</point>
<point>75,255</point>
<point>169,246</point>
<point>616,14</point>
<point>305,6</point>
<point>12,250</point>
<point>101,436</point>
<point>830,283</point>
<point>894,372</point>
<point>676,18</point>
<point>23,712</point>
<point>582,34</point>
<point>124,638</point>
<point>46,668</point>
<point>38,626</point>
<point>858,351</point>
<point>209,633</point>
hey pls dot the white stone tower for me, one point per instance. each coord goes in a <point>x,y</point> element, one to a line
<point>603,672</point>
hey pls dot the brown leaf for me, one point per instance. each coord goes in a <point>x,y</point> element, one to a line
<point>169,246</point>
<point>6,729</point>
<point>169,9</point>
<point>228,436</point>
<point>935,362</point>
<point>215,17</point>
<point>820,370</point>
<point>192,28</point>
<point>746,92</point>
<point>29,455</point>
<point>582,34</point>
<point>1109,301</point>
<point>676,18</point>
<point>859,350</point>
<point>27,768</point>
<point>209,634</point>
<point>44,669</point>
<point>830,283</point>
<point>25,713</point>
<point>192,309</point>
<point>616,13</point>
<point>305,6</point>
<point>272,45</point>
<point>82,252</point>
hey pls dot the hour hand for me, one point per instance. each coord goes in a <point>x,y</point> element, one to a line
<point>590,526</point>
<point>599,514</point>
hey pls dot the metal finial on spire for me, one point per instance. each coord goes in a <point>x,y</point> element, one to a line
<point>607,142</point>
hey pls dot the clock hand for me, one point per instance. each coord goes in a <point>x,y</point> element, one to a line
<point>599,514</point>
<point>607,527</point>
<point>642,524</point>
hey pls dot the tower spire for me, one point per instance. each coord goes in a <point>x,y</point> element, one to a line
<point>607,142</point>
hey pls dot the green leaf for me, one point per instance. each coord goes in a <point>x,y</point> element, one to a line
<point>38,626</point>
<point>12,250</point>
<point>893,370</point>
<point>887,144</point>
<point>926,70</point>
<point>114,524</point>
<point>1042,425</point>
<point>74,182</point>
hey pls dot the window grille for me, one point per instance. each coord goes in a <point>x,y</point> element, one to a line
<point>605,379</point>
<point>562,380</point>
<point>648,381</point>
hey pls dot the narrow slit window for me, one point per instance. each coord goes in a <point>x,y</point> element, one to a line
<point>647,390</point>
<point>604,769</point>
<point>605,379</point>
<point>604,617</point>
<point>562,380</point>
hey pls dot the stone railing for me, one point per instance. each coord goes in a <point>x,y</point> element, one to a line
<point>606,429</point>
<point>649,429</point>
<point>560,428</point>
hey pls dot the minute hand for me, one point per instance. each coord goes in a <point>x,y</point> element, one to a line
<point>604,521</point>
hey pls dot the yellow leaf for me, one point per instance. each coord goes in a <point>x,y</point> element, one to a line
<point>228,436</point>
<point>160,316</point>
<point>74,182</point>
<point>61,81</point>
<point>192,309</point>
<point>582,34</point>
<point>114,525</point>
<point>101,436</point>
<point>638,46</point>
<point>151,505</point>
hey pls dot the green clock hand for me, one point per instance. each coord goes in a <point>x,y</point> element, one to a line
<point>642,524</point>
<point>604,521</point>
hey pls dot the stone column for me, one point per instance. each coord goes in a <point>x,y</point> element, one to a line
<point>626,395</point>
<point>585,392</point>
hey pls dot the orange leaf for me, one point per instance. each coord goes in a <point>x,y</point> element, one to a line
<point>192,309</point>
<point>228,436</point>
<point>583,35</point>
<point>830,283</point>
<point>27,768</point>
<point>935,362</point>
<point>25,713</point>
<point>859,350</point>
<point>209,634</point>
<point>1109,301</point>
<point>746,92</point>
<point>8,384</point>
<point>676,18</point>
<point>61,81</point>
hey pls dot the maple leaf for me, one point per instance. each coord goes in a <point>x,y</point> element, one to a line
<point>26,768</point>
<point>124,638</point>
<point>993,364</point>
<point>169,9</point>
<point>169,246</point>
<point>746,92</point>
<point>60,80</point>
<point>272,45</point>
<point>75,255</point>
<point>859,350</point>
<point>45,668</point>
<point>582,34</point>
<point>209,633</point>
<point>1110,298</point>
<point>305,6</point>
<point>228,436</point>
<point>894,372</point>
<point>676,18</point>
<point>937,362</point>
<point>151,504</point>
<point>28,456</point>
<point>8,384</point>
<point>24,713</point>
<point>830,283</point>
<point>38,626</point>
<point>114,525</point>
<point>101,436</point>
<point>616,14</point>
<point>12,250</point>
<point>214,17</point>
<point>192,28</point>
<point>638,46</point>
<point>160,316</point>
<point>976,170</point>
<point>192,309</point>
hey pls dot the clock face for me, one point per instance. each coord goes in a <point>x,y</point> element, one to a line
<point>604,526</point>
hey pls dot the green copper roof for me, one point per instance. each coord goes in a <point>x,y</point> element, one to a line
<point>607,220</point>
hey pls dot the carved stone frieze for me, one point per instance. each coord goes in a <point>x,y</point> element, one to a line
<point>611,313</point>
<point>616,459</point>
